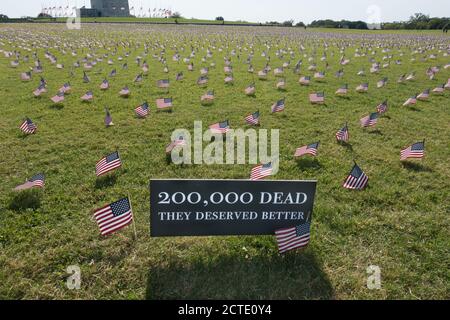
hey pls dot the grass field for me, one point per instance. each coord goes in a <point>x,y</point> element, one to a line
<point>399,223</point>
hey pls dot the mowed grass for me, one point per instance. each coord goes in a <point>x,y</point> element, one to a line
<point>399,223</point>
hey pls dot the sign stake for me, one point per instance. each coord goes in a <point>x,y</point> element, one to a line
<point>134,221</point>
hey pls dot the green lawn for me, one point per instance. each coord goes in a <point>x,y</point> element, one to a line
<point>399,223</point>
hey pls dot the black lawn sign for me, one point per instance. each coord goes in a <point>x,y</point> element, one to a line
<point>228,207</point>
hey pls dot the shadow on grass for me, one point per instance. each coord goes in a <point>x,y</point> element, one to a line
<point>308,163</point>
<point>418,167</point>
<point>27,199</point>
<point>376,132</point>
<point>57,106</point>
<point>346,145</point>
<point>295,276</point>
<point>105,182</point>
<point>415,109</point>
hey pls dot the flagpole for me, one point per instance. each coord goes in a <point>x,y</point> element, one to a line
<point>134,221</point>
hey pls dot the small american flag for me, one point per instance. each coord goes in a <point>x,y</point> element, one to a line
<point>107,164</point>
<point>104,85</point>
<point>142,111</point>
<point>38,181</point>
<point>163,84</point>
<point>58,98</point>
<point>180,141</point>
<point>40,90</point>
<point>343,134</point>
<point>424,95</point>
<point>293,238</point>
<point>253,118</point>
<point>88,96</point>
<point>208,97</point>
<point>362,87</point>
<point>66,88</point>
<point>342,90</point>
<point>278,106</point>
<point>304,81</point>
<point>138,78</point>
<point>26,76</point>
<point>439,89</point>
<point>416,151</point>
<point>317,98</point>
<point>125,92</point>
<point>164,103</point>
<point>357,179</point>
<point>114,217</point>
<point>220,128</point>
<point>86,79</point>
<point>250,90</point>
<point>261,171</point>
<point>382,107</point>
<point>180,76</point>
<point>411,101</point>
<point>382,83</point>
<point>370,120</point>
<point>202,81</point>
<point>108,118</point>
<point>305,150</point>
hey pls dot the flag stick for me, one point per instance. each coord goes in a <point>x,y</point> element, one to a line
<point>134,221</point>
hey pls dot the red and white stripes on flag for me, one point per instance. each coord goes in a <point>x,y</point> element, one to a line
<point>107,164</point>
<point>293,238</point>
<point>114,216</point>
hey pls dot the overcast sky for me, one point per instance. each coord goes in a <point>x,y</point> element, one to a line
<point>262,10</point>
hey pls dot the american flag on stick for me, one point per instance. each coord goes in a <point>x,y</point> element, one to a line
<point>439,90</point>
<point>37,181</point>
<point>307,150</point>
<point>424,95</point>
<point>342,90</point>
<point>108,118</point>
<point>108,164</point>
<point>293,238</point>
<point>370,120</point>
<point>104,85</point>
<point>202,81</point>
<point>125,92</point>
<point>66,88</point>
<point>261,171</point>
<point>180,76</point>
<point>163,84</point>
<point>40,90</point>
<point>416,151</point>
<point>114,216</point>
<point>142,110</point>
<point>343,134</point>
<point>164,103</point>
<point>317,98</point>
<point>88,96</point>
<point>28,127</point>
<point>180,141</point>
<point>253,118</point>
<point>362,87</point>
<point>305,81</point>
<point>25,76</point>
<point>250,90</point>
<point>411,101</point>
<point>220,128</point>
<point>357,179</point>
<point>58,98</point>
<point>382,107</point>
<point>279,106</point>
<point>208,97</point>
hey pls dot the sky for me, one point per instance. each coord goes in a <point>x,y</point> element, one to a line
<point>262,10</point>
